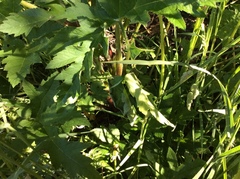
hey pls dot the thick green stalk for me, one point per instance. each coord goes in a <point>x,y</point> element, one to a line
<point>193,41</point>
<point>162,47</point>
<point>28,5</point>
<point>118,57</point>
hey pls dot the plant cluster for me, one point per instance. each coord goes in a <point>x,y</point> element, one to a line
<point>119,89</point>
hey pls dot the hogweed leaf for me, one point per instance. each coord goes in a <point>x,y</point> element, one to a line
<point>9,6</point>
<point>77,11</point>
<point>70,54</point>
<point>18,66</point>
<point>68,155</point>
<point>23,22</point>
<point>43,96</point>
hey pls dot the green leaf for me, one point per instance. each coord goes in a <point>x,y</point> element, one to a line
<point>211,3</point>
<point>59,114</point>
<point>117,9</point>
<point>18,65</point>
<point>135,10</point>
<point>70,35</point>
<point>144,100</point>
<point>23,22</point>
<point>30,90</point>
<point>77,121</point>
<point>41,97</point>
<point>230,18</point>
<point>73,53</point>
<point>233,151</point>
<point>67,155</point>
<point>135,51</point>
<point>117,91</point>
<point>31,129</point>
<point>109,136</point>
<point>8,6</point>
<point>78,10</point>
<point>190,169</point>
<point>88,64</point>
<point>172,159</point>
<point>70,89</point>
<point>174,16</point>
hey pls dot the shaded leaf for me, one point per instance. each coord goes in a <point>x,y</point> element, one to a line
<point>135,51</point>
<point>41,97</point>
<point>190,169</point>
<point>78,10</point>
<point>59,114</point>
<point>172,159</point>
<point>230,18</point>
<point>71,35</point>
<point>9,6</point>
<point>67,155</point>
<point>74,122</point>
<point>88,64</point>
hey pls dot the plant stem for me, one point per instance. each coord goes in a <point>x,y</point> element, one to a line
<point>142,137</point>
<point>119,66</point>
<point>162,47</point>
<point>28,5</point>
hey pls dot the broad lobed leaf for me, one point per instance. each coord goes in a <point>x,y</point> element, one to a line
<point>18,66</point>
<point>73,53</point>
<point>8,6</point>
<point>24,22</point>
<point>68,155</point>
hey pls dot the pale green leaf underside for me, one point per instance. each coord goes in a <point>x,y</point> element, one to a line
<point>144,103</point>
<point>23,22</point>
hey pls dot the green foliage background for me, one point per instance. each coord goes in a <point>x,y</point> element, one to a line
<point>172,112</point>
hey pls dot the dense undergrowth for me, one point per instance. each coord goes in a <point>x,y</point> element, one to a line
<point>119,89</point>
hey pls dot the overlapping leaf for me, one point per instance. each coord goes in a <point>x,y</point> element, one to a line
<point>8,6</point>
<point>18,65</point>
<point>68,155</point>
<point>69,55</point>
<point>23,22</point>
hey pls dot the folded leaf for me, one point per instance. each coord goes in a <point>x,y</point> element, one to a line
<point>143,99</point>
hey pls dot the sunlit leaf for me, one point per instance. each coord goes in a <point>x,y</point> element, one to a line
<point>143,99</point>
<point>23,22</point>
<point>18,65</point>
<point>71,54</point>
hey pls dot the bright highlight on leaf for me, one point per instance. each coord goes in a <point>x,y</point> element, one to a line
<point>143,99</point>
